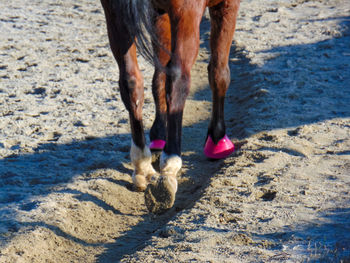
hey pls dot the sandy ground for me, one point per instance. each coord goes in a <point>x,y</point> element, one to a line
<point>65,184</point>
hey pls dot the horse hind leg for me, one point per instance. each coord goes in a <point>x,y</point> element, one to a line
<point>160,195</point>
<point>184,45</point>
<point>223,21</point>
<point>133,98</point>
<point>132,92</point>
<point>131,89</point>
<point>162,51</point>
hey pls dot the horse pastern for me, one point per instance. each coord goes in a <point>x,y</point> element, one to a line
<point>170,165</point>
<point>140,182</point>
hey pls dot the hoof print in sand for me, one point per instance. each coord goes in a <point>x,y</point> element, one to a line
<point>160,196</point>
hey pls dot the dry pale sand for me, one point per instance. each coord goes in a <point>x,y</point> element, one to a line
<point>65,184</point>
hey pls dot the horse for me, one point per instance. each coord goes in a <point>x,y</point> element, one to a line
<point>166,33</point>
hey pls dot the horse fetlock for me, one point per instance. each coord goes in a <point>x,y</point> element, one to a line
<point>138,155</point>
<point>170,165</point>
<point>144,172</point>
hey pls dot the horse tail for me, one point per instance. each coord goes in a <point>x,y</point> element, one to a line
<point>137,16</point>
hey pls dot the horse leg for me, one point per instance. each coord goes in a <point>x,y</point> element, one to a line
<point>158,130</point>
<point>223,21</point>
<point>131,89</point>
<point>184,46</point>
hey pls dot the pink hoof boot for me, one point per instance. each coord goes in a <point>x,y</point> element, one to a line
<point>157,145</point>
<point>220,150</point>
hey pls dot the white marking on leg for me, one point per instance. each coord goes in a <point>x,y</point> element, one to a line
<point>170,165</point>
<point>142,162</point>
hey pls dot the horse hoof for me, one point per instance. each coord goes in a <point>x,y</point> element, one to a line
<point>157,145</point>
<point>140,182</point>
<point>220,150</point>
<point>160,196</point>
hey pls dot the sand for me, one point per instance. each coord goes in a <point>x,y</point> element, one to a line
<point>65,173</point>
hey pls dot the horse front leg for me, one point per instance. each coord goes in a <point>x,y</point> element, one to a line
<point>132,93</point>
<point>184,46</point>
<point>223,21</point>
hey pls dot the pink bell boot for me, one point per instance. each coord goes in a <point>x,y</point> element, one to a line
<point>220,150</point>
<point>157,145</point>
